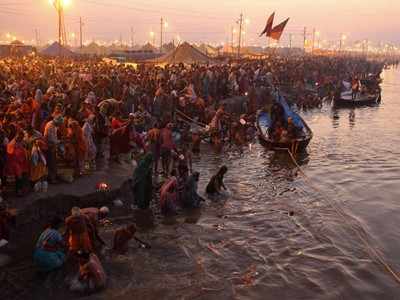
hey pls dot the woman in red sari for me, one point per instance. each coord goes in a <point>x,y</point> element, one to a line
<point>76,146</point>
<point>17,162</point>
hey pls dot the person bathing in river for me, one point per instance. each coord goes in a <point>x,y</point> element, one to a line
<point>168,195</point>
<point>142,185</point>
<point>91,277</point>
<point>196,137</point>
<point>185,161</point>
<point>217,182</point>
<point>77,232</point>
<point>167,146</point>
<point>153,145</point>
<point>5,222</point>
<point>191,199</point>
<point>216,128</point>
<point>95,215</point>
<point>122,236</point>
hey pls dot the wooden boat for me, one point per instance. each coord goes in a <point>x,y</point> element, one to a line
<point>297,145</point>
<point>346,100</point>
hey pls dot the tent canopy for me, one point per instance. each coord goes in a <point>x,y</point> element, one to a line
<point>184,53</point>
<point>149,47</point>
<point>207,49</point>
<point>94,49</point>
<point>56,49</point>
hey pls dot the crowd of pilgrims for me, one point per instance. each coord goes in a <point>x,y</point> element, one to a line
<point>85,114</point>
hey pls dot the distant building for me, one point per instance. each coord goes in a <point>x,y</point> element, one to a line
<point>16,48</point>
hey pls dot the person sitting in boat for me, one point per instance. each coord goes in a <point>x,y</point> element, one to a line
<point>277,131</point>
<point>293,132</point>
<point>363,89</point>
<point>355,88</point>
<point>278,121</point>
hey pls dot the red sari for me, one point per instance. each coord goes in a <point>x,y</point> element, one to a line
<point>17,162</point>
<point>121,139</point>
<point>78,234</point>
<point>76,147</point>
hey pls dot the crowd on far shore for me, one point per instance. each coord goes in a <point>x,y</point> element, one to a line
<point>62,119</point>
<point>74,113</point>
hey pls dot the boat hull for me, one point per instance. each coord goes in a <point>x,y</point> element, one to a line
<point>340,102</point>
<point>289,146</point>
<point>298,145</point>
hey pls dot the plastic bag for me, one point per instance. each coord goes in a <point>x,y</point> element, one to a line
<point>37,187</point>
<point>45,186</point>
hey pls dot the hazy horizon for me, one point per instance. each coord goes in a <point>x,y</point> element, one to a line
<point>206,21</point>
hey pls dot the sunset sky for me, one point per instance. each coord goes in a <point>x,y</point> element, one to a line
<point>206,20</point>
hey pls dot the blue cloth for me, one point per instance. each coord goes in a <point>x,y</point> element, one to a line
<point>289,112</point>
<point>45,259</point>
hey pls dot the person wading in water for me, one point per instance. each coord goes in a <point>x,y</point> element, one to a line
<point>217,182</point>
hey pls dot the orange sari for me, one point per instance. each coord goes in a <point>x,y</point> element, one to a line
<point>78,234</point>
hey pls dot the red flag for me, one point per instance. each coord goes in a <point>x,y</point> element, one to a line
<point>277,31</point>
<point>268,27</point>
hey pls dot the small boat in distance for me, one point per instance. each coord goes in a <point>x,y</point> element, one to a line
<point>346,100</point>
<point>368,95</point>
<point>298,144</point>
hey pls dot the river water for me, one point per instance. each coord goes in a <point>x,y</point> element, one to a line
<point>281,234</point>
<point>345,207</point>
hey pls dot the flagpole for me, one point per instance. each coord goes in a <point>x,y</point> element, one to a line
<point>240,33</point>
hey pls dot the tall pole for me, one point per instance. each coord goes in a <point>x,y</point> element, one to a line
<point>59,11</point>
<point>304,38</point>
<point>132,38</point>
<point>37,38</point>
<point>161,34</point>
<point>313,41</point>
<point>232,37</point>
<point>240,33</point>
<point>80,33</point>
